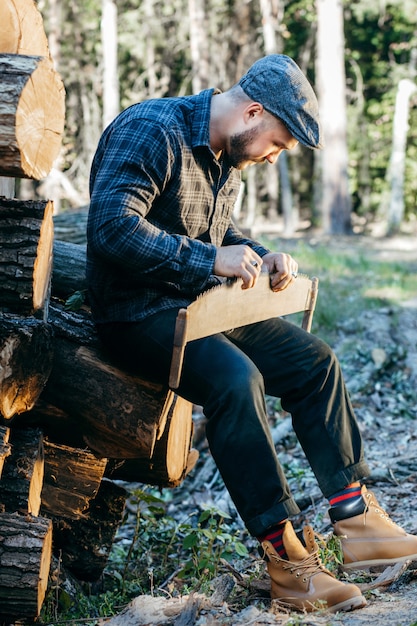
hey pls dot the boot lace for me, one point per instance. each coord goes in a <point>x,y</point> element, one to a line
<point>306,568</point>
<point>370,501</point>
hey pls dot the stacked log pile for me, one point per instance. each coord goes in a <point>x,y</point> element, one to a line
<point>71,420</point>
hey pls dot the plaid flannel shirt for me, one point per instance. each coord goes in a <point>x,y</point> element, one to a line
<point>160,205</point>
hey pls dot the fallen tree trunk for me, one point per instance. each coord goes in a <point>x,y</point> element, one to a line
<point>32,115</point>
<point>25,559</point>
<point>26,243</point>
<point>26,348</point>
<point>22,478</point>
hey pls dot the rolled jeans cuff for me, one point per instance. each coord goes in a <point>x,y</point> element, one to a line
<point>277,513</point>
<point>331,485</point>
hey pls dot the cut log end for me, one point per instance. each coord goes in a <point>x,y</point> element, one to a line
<point>32,115</point>
<point>21,28</point>
<point>40,121</point>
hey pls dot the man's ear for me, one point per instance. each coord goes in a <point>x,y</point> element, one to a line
<point>252,112</point>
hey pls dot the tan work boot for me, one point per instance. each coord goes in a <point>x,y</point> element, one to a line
<point>372,538</point>
<point>302,582</point>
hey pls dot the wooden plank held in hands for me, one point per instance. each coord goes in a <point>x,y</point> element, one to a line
<point>229,306</point>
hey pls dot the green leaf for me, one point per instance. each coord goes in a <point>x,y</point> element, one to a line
<point>190,541</point>
<point>75,302</point>
<point>241,549</point>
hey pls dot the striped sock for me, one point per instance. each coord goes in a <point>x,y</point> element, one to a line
<point>274,536</point>
<point>348,494</point>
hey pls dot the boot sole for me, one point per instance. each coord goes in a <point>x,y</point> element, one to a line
<point>357,602</point>
<point>378,562</point>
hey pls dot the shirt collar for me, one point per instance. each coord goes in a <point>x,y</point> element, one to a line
<point>201,118</point>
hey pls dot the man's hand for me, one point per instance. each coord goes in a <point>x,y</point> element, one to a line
<point>238,261</point>
<point>282,269</point>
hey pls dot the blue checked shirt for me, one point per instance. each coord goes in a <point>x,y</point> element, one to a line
<point>160,205</point>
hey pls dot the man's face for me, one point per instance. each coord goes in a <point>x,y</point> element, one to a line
<point>261,143</point>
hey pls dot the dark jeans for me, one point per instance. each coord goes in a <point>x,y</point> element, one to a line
<point>228,375</point>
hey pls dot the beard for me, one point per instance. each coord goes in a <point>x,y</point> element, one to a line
<point>238,155</point>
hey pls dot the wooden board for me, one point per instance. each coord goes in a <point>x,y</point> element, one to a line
<point>229,306</point>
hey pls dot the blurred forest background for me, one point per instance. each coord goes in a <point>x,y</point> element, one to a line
<point>360,56</point>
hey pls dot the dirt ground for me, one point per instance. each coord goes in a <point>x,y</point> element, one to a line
<point>382,380</point>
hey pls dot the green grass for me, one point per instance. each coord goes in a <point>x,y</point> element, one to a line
<point>351,281</point>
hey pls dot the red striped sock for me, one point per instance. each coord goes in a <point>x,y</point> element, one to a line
<point>349,493</point>
<point>274,536</point>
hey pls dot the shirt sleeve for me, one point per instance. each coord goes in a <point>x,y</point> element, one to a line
<point>133,164</point>
<point>234,236</point>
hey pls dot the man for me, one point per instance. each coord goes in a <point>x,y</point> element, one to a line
<point>164,181</point>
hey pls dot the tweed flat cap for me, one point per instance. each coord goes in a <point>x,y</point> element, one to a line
<point>276,82</point>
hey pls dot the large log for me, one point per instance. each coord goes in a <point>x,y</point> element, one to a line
<point>72,479</point>
<point>68,269</point>
<point>21,28</point>
<point>25,362</point>
<point>171,460</point>
<point>85,544</point>
<point>119,414</point>
<point>26,243</point>
<point>32,115</point>
<point>71,225</point>
<point>25,559</point>
<point>22,478</point>
<point>88,400</point>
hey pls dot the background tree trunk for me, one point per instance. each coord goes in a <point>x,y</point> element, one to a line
<point>336,201</point>
<point>111,98</point>
<point>278,177</point>
<point>406,88</point>
<point>198,45</point>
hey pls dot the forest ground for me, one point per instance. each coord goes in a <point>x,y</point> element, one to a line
<point>378,352</point>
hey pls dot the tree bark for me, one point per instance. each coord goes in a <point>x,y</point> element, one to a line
<point>22,478</point>
<point>26,243</point>
<point>21,28</point>
<point>68,269</point>
<point>32,116</point>
<point>84,544</point>
<point>26,348</point>
<point>72,479</point>
<point>25,559</point>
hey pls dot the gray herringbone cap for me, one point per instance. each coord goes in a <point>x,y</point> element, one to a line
<point>276,82</point>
